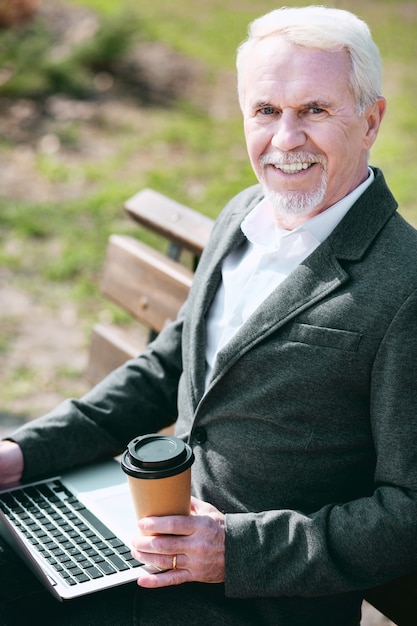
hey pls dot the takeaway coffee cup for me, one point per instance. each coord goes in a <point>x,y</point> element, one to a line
<point>158,469</point>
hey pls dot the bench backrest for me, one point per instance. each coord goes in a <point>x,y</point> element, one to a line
<point>149,285</point>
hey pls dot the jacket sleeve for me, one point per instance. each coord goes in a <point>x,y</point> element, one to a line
<point>352,545</point>
<point>138,397</point>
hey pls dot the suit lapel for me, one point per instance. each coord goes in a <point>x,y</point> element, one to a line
<point>204,289</point>
<point>313,280</point>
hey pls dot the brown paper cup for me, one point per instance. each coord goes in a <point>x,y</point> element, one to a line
<point>158,469</point>
<point>162,496</point>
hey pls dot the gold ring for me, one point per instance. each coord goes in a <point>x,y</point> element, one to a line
<point>174,562</point>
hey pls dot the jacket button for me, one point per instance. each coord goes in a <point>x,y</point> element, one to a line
<point>200,435</point>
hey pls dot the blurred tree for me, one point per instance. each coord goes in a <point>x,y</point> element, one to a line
<point>13,12</point>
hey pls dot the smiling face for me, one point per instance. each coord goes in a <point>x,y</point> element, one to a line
<point>307,143</point>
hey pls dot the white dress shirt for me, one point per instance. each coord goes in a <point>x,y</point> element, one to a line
<point>252,271</point>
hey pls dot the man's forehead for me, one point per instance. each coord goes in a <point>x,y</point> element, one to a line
<point>309,74</point>
<point>275,50</point>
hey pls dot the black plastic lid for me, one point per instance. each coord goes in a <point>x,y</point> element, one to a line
<point>156,456</point>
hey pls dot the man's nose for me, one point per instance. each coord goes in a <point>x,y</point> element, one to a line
<point>289,132</point>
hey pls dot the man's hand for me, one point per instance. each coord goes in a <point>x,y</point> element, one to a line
<point>11,462</point>
<point>196,542</point>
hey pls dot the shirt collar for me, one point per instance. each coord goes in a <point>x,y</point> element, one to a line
<point>259,225</point>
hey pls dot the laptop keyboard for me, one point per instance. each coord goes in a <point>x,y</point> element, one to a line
<point>73,541</point>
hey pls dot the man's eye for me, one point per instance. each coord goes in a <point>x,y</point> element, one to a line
<point>267,110</point>
<point>315,110</point>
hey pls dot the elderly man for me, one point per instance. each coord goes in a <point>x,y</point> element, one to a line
<point>289,370</point>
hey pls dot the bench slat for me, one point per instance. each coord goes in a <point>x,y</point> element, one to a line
<point>110,347</point>
<point>144,282</point>
<point>178,223</point>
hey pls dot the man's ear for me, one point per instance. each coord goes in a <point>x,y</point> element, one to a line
<point>373,117</point>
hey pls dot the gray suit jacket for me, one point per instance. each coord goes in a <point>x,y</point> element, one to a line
<point>306,436</point>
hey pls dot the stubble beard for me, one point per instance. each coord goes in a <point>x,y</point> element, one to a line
<point>295,202</point>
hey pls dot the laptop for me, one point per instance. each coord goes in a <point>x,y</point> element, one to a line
<point>74,530</point>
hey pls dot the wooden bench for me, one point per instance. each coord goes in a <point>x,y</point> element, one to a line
<point>152,286</point>
<point>148,284</point>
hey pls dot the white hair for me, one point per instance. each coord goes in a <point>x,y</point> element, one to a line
<point>326,29</point>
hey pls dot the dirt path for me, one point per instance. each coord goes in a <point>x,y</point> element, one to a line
<point>48,351</point>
